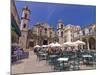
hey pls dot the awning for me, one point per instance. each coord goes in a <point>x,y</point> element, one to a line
<point>15,26</point>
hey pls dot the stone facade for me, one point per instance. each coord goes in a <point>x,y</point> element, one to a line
<point>66,32</point>
<point>41,34</point>
<point>60,31</point>
<point>88,35</point>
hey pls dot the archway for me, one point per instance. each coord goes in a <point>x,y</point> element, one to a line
<point>92,43</point>
<point>85,46</point>
<point>31,44</point>
<point>45,42</point>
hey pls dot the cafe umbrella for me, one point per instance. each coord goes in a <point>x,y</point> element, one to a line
<point>36,46</point>
<point>56,45</point>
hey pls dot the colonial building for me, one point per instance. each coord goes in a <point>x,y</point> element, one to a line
<point>69,32</point>
<point>73,33</point>
<point>24,26</point>
<point>41,34</point>
<point>88,35</point>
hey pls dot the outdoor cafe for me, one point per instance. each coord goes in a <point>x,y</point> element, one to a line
<point>66,56</point>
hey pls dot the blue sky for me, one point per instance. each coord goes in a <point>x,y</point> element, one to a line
<point>51,13</point>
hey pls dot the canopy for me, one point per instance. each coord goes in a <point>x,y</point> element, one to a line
<point>56,45</point>
<point>78,42</point>
<point>51,44</point>
<point>36,46</point>
<point>44,46</point>
<point>70,44</point>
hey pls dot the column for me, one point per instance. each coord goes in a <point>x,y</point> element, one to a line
<point>88,44</point>
<point>69,36</point>
<point>81,45</point>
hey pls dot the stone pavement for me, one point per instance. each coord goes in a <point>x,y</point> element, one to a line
<point>30,65</point>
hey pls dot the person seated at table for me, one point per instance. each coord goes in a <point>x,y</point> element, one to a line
<point>52,50</point>
<point>57,52</point>
<point>49,51</point>
<point>46,50</point>
<point>35,50</point>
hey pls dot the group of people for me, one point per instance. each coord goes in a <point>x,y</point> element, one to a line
<point>49,50</point>
<point>55,50</point>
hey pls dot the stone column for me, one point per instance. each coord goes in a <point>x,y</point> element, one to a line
<point>81,45</point>
<point>69,35</point>
<point>88,44</point>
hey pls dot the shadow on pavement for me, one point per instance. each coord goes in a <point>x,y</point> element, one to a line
<point>17,62</point>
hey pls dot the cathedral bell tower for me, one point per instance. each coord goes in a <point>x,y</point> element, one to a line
<point>60,31</point>
<point>24,27</point>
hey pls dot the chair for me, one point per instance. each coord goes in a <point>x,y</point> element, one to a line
<point>13,58</point>
<point>59,67</point>
<point>52,60</point>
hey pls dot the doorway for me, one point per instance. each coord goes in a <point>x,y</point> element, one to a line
<point>45,42</point>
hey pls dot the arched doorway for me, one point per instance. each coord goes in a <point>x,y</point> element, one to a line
<point>85,46</point>
<point>31,44</point>
<point>45,42</point>
<point>92,43</point>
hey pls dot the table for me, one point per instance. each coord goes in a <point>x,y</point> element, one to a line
<point>44,54</point>
<point>63,60</point>
<point>53,56</point>
<point>41,52</point>
<point>87,56</point>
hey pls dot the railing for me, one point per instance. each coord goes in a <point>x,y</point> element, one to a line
<point>90,33</point>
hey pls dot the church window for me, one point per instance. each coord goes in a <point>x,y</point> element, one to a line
<point>83,32</point>
<point>61,26</point>
<point>24,26</point>
<point>25,16</point>
<point>50,34</point>
<point>45,30</point>
<point>62,34</point>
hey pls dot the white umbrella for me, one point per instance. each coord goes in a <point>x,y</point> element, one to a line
<point>78,42</point>
<point>51,44</point>
<point>56,45</point>
<point>36,46</point>
<point>70,44</point>
<point>44,46</point>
